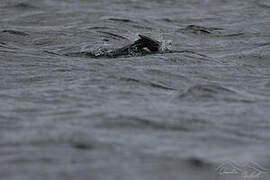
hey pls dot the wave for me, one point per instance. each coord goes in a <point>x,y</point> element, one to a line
<point>212,92</point>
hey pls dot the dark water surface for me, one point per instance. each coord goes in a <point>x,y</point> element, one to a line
<point>156,117</point>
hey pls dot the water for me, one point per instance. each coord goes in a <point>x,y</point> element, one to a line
<point>162,116</point>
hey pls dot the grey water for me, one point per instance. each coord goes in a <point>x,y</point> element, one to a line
<point>192,114</point>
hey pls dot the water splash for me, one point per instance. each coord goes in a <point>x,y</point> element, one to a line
<point>166,45</point>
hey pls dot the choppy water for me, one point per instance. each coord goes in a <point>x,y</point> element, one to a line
<point>162,116</point>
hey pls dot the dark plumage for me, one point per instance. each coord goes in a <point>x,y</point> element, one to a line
<point>144,45</point>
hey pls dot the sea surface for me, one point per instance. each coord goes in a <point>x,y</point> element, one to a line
<point>201,112</point>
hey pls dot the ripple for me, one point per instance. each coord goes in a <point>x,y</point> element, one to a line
<point>15,32</point>
<point>112,35</point>
<point>82,145</point>
<point>211,31</point>
<point>195,29</point>
<point>147,83</point>
<point>212,92</point>
<point>263,3</point>
<point>127,121</point>
<point>120,20</point>
<point>24,5</point>
<point>198,162</point>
